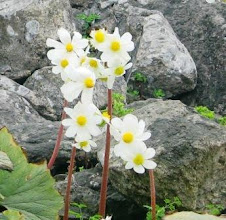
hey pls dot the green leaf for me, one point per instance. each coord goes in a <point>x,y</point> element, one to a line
<point>29,188</point>
<point>13,215</point>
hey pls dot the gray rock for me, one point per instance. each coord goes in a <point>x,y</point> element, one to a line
<point>47,85</point>
<point>86,190</point>
<point>163,59</point>
<point>25,26</point>
<point>191,216</point>
<point>35,134</point>
<point>40,103</point>
<point>201,27</point>
<point>190,153</point>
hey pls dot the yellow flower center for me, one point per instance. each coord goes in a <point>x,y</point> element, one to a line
<point>81,120</point>
<point>83,144</point>
<point>64,63</point>
<point>89,82</point>
<point>69,47</point>
<point>139,159</point>
<point>115,46</point>
<point>93,63</point>
<point>119,71</point>
<point>99,37</point>
<point>83,59</point>
<point>127,137</point>
<point>106,115</point>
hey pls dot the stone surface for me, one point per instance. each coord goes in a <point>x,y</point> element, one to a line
<point>163,59</point>
<point>40,103</point>
<point>191,216</point>
<point>86,189</point>
<point>201,27</point>
<point>47,85</point>
<point>190,153</point>
<point>24,28</point>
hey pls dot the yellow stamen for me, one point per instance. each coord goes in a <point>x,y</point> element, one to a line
<point>119,71</point>
<point>89,82</point>
<point>69,47</point>
<point>99,36</point>
<point>106,115</point>
<point>83,59</point>
<point>83,144</point>
<point>64,63</point>
<point>115,46</point>
<point>81,120</point>
<point>127,137</point>
<point>139,159</point>
<point>93,63</point>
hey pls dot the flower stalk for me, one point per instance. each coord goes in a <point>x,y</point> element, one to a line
<point>68,190</point>
<point>103,191</point>
<point>153,197</point>
<point>59,138</point>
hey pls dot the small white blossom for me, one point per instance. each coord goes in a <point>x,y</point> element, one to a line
<point>68,45</point>
<point>116,68</point>
<point>129,133</point>
<point>84,144</point>
<point>99,38</point>
<point>139,159</point>
<point>117,46</point>
<point>83,121</point>
<point>82,81</point>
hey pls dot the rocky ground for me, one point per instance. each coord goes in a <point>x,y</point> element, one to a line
<point>180,49</point>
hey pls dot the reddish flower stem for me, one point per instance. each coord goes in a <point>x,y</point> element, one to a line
<point>152,190</point>
<point>103,191</point>
<point>59,139</point>
<point>69,180</point>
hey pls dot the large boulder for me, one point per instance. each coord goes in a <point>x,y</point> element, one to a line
<point>25,26</point>
<point>201,27</point>
<point>163,59</point>
<point>190,153</point>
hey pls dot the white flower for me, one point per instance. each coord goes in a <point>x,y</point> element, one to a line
<point>83,56</point>
<point>128,133</point>
<point>139,159</point>
<point>210,1</point>
<point>95,66</point>
<point>68,45</point>
<point>117,46</point>
<point>116,68</point>
<point>62,61</point>
<point>84,144</point>
<point>99,38</point>
<point>82,81</point>
<point>83,121</point>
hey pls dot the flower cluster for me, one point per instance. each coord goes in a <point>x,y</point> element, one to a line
<point>80,71</point>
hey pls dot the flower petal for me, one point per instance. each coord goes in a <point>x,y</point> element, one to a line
<point>148,164</point>
<point>71,131</point>
<point>129,165</point>
<point>64,36</point>
<point>54,43</point>
<point>139,169</point>
<point>149,153</point>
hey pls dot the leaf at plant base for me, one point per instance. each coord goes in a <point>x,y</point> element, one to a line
<point>13,215</point>
<point>29,188</point>
<point>5,162</point>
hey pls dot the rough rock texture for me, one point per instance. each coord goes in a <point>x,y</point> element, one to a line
<point>35,134</point>
<point>191,216</point>
<point>190,153</point>
<point>86,189</point>
<point>24,28</point>
<point>163,59</point>
<point>201,27</point>
<point>46,85</point>
<point>40,103</point>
